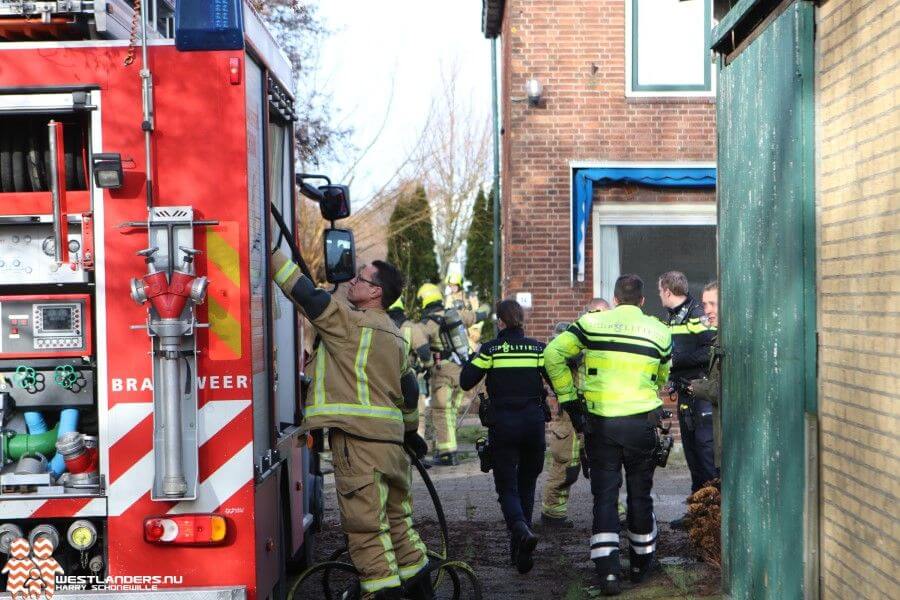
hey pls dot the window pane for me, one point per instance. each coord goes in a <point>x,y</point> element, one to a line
<point>669,45</point>
<point>650,251</point>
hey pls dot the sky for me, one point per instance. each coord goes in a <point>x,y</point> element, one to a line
<point>379,46</point>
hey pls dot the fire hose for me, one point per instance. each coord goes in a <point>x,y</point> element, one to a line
<point>454,570</point>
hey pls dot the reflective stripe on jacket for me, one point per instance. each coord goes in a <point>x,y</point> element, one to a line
<point>513,364</point>
<point>626,361</point>
<point>357,369</point>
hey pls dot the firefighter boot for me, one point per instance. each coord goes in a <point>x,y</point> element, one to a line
<point>609,572</point>
<point>524,542</point>
<point>420,587</point>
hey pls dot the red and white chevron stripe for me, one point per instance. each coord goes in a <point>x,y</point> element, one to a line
<point>226,463</point>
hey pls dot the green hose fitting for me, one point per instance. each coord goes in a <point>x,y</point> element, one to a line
<point>17,445</point>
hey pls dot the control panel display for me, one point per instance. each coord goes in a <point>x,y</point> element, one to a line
<point>57,319</point>
<point>44,326</point>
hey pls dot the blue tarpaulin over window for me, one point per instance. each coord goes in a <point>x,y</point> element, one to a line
<point>583,193</point>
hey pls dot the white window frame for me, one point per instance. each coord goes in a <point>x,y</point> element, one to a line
<point>629,79</point>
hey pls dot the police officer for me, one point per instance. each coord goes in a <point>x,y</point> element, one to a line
<point>692,341</point>
<point>517,413</point>
<point>444,353</point>
<point>365,394</point>
<point>565,446</point>
<point>708,388</point>
<point>626,360</point>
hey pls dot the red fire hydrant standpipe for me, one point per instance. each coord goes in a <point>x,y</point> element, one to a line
<point>169,296</point>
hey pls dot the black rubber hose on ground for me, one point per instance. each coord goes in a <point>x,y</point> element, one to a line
<point>442,565</point>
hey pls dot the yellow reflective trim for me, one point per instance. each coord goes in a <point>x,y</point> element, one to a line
<point>362,357</point>
<point>319,391</point>
<point>285,272</point>
<point>374,585</point>
<point>224,326</point>
<point>384,534</point>
<point>224,256</point>
<point>355,410</point>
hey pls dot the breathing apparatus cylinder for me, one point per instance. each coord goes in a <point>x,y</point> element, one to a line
<point>454,336</point>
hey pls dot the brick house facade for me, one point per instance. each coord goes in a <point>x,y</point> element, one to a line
<point>592,113</point>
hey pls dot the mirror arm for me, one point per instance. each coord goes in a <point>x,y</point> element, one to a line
<point>311,176</point>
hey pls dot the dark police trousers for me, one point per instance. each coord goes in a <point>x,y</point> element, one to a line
<point>517,442</point>
<point>614,442</point>
<point>697,441</point>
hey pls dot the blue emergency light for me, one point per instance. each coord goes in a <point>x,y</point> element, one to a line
<point>209,25</point>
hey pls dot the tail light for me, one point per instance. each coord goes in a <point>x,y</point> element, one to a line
<point>186,530</point>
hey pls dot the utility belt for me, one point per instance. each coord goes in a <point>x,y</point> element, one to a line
<point>658,419</point>
<point>488,407</point>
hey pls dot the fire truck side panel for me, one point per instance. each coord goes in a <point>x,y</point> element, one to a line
<point>200,150</point>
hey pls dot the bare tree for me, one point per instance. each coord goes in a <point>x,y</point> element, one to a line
<point>453,153</point>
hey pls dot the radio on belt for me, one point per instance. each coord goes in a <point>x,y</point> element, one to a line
<point>45,326</point>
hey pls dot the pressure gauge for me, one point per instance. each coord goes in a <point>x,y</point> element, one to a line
<point>49,246</point>
<point>82,535</point>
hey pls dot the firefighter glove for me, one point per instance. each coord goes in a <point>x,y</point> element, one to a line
<point>576,414</point>
<point>416,444</point>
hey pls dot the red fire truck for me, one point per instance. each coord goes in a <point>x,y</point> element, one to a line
<point>149,375</point>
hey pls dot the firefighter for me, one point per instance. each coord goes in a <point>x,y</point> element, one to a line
<point>626,360</point>
<point>692,341</point>
<point>414,337</point>
<point>447,347</point>
<point>516,416</point>
<point>365,394</point>
<point>565,445</point>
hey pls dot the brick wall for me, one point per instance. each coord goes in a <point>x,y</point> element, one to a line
<point>577,49</point>
<point>858,163</point>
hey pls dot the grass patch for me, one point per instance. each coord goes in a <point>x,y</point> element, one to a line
<point>469,433</point>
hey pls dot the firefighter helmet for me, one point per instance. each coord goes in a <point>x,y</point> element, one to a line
<point>454,279</point>
<point>398,304</point>
<point>428,293</point>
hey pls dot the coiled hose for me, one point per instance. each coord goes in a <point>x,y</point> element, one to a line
<point>454,570</point>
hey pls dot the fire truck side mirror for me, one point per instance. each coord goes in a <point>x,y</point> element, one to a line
<point>340,255</point>
<point>335,202</point>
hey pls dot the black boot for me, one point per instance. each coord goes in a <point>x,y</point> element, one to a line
<point>556,522</point>
<point>610,586</point>
<point>525,542</point>
<point>420,587</point>
<point>609,572</point>
<point>640,566</point>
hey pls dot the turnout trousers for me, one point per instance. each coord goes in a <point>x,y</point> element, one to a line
<point>695,417</point>
<point>517,442</point>
<point>373,483</point>
<point>446,396</point>
<point>614,442</point>
<point>565,451</point>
